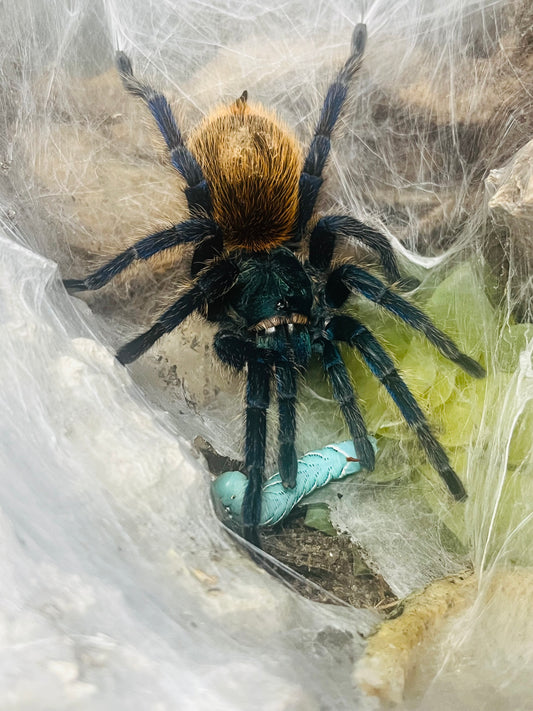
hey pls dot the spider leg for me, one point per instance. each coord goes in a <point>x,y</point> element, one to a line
<point>273,354</point>
<point>332,227</point>
<point>286,387</point>
<point>235,350</point>
<point>349,278</point>
<point>289,348</point>
<point>346,328</point>
<point>197,191</point>
<point>183,233</point>
<point>257,402</point>
<point>310,179</point>
<point>343,393</point>
<point>210,285</point>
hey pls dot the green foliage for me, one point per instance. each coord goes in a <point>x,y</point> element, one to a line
<point>317,516</point>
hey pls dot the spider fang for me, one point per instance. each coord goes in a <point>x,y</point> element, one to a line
<point>268,324</point>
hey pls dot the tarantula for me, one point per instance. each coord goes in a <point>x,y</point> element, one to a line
<point>263,268</point>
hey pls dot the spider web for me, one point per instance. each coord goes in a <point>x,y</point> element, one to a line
<point>118,582</point>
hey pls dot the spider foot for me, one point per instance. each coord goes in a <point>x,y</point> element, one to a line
<point>251,534</point>
<point>134,349</point>
<point>470,366</point>
<point>439,460</point>
<point>74,285</point>
<point>288,465</point>
<point>123,63</point>
<point>358,43</point>
<point>454,484</point>
<point>365,453</point>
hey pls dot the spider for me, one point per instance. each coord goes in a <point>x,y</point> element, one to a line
<point>263,268</point>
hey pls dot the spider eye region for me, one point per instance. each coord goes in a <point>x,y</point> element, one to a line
<point>273,290</point>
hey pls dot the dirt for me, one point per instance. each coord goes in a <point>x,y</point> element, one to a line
<point>333,565</point>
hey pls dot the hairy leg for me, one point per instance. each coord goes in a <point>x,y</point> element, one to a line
<point>348,278</point>
<point>286,388</point>
<point>210,285</point>
<point>311,178</point>
<point>257,402</point>
<point>348,329</point>
<point>343,393</point>
<point>185,232</point>
<point>332,228</point>
<point>236,350</point>
<point>182,159</point>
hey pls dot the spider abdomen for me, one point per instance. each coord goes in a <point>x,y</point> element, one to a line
<point>252,165</point>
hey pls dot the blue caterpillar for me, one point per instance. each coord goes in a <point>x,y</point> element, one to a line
<point>316,469</point>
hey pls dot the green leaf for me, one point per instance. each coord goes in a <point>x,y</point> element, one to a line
<point>317,517</point>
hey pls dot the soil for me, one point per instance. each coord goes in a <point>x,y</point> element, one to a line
<point>333,565</point>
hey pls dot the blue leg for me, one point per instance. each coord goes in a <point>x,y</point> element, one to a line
<point>348,278</point>
<point>291,348</point>
<point>331,228</point>
<point>344,394</point>
<point>286,391</point>
<point>182,159</point>
<point>211,285</point>
<point>257,402</point>
<point>281,351</point>
<point>311,180</point>
<point>185,232</point>
<point>346,328</point>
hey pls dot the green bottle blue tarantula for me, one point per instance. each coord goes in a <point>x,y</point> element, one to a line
<point>262,267</point>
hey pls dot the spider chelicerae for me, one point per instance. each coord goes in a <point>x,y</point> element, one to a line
<point>262,266</point>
